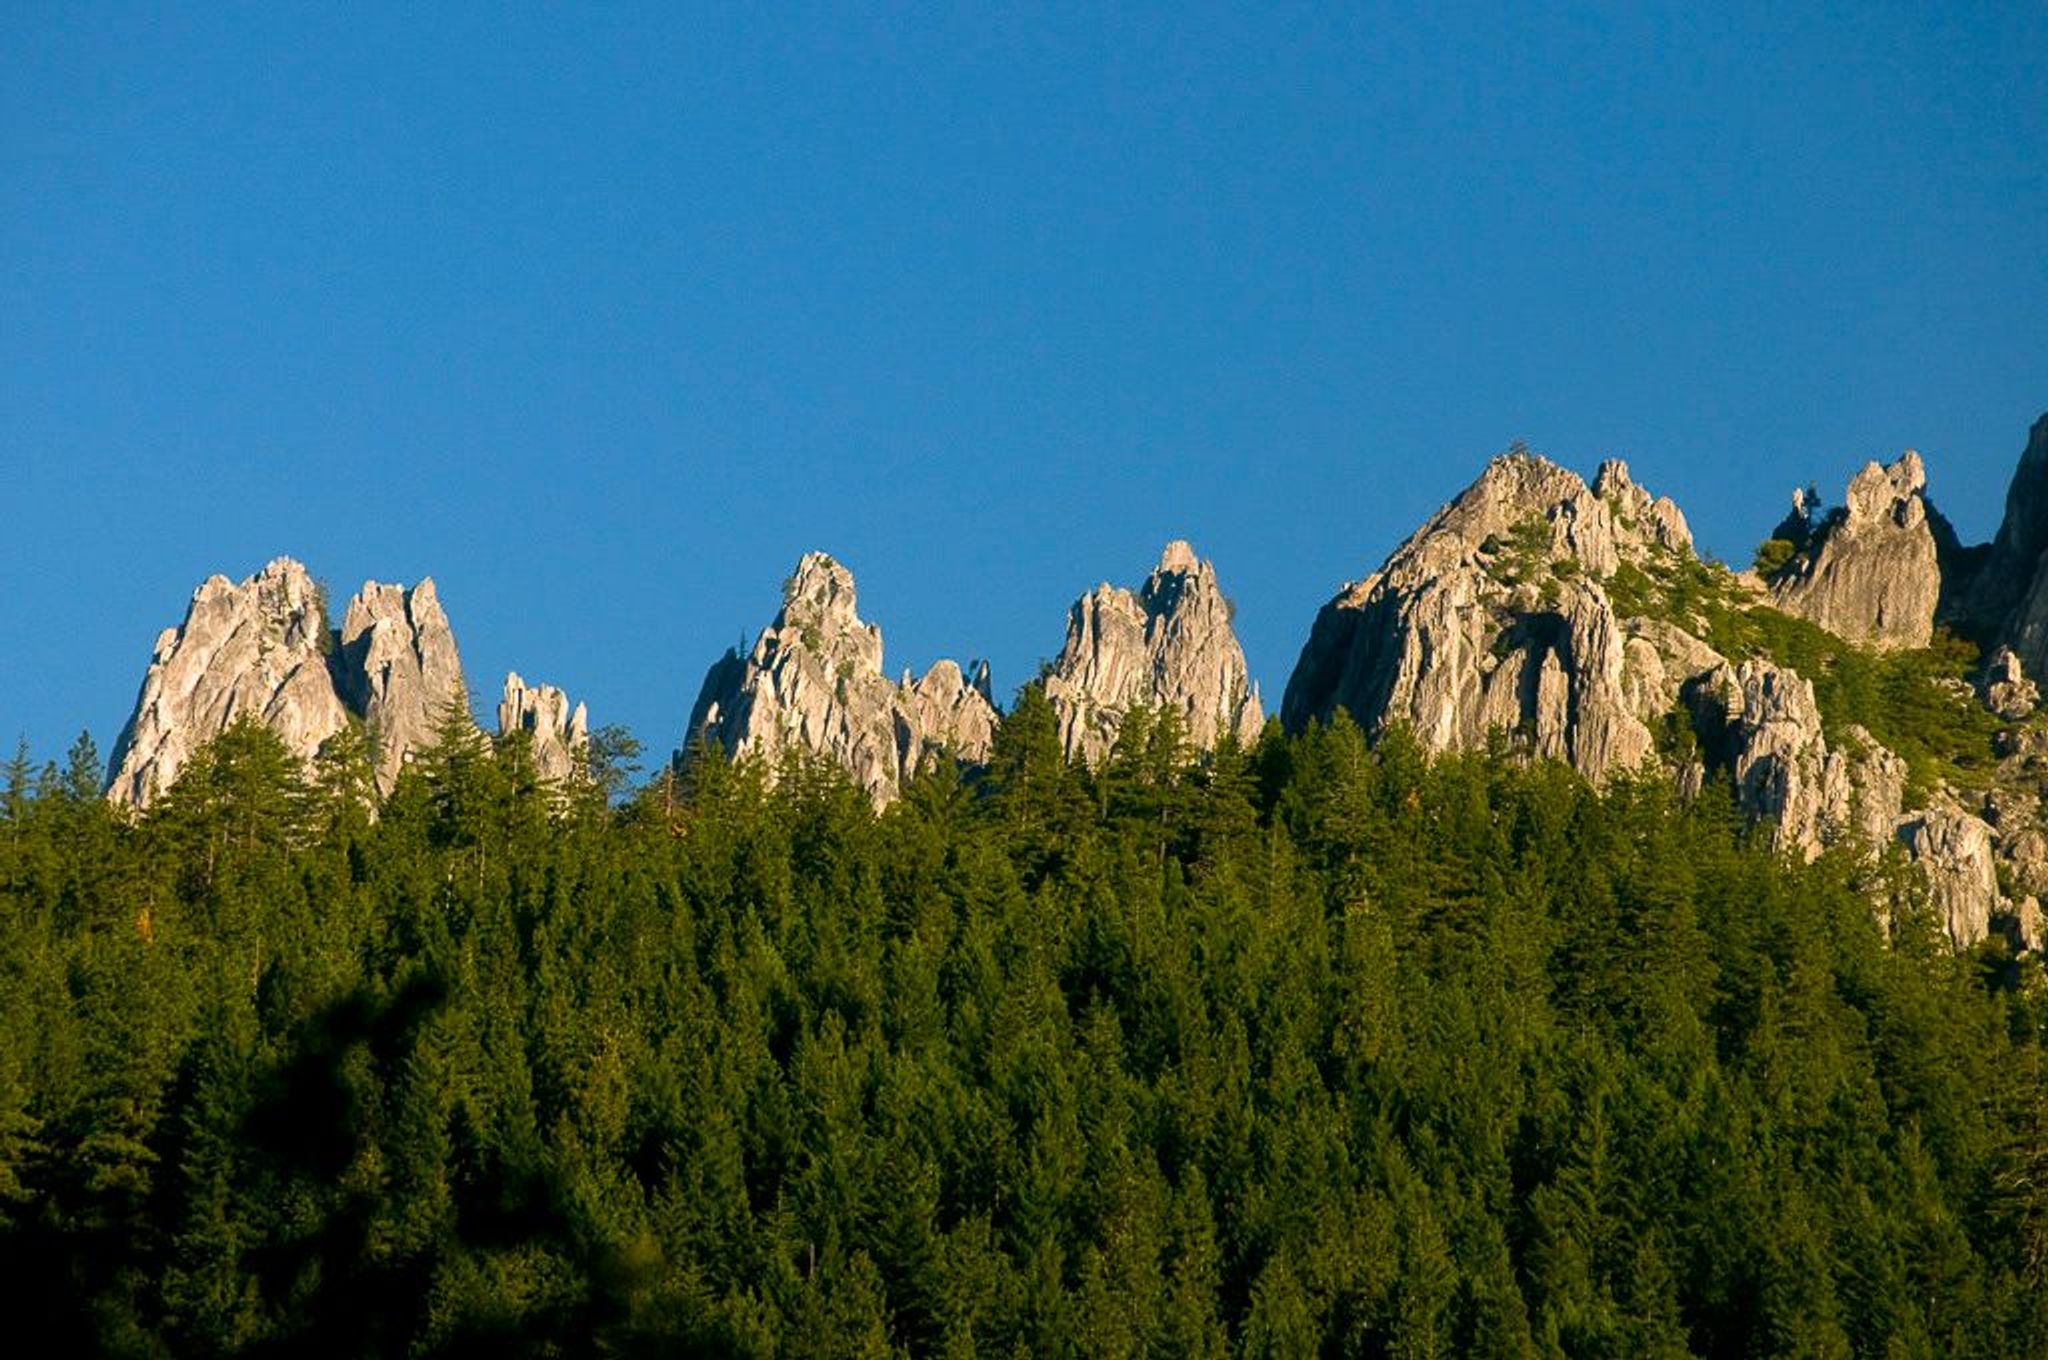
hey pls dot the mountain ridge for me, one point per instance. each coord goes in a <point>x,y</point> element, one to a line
<point>1828,685</point>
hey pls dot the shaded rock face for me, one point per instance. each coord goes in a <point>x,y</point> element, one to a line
<point>398,668</point>
<point>1871,573</point>
<point>2009,600</point>
<point>814,683</point>
<point>1168,646</point>
<point>1495,615</point>
<point>1955,850</point>
<point>560,734</point>
<point>258,649</point>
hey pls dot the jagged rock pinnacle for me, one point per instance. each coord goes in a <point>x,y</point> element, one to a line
<point>1872,574</point>
<point>560,734</point>
<point>814,683</point>
<point>1168,646</point>
<point>399,669</point>
<point>256,649</point>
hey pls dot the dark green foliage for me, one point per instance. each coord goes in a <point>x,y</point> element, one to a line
<point>1773,555</point>
<point>1306,1049</point>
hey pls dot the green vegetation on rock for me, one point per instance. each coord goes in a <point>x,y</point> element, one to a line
<point>1917,702</point>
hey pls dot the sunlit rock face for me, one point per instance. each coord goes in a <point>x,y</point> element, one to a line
<point>1766,728</point>
<point>1496,615</point>
<point>814,683</point>
<point>398,668</point>
<point>1955,849</point>
<point>1871,572</point>
<point>1168,646</point>
<point>257,649</point>
<point>559,733</point>
<point>263,649</point>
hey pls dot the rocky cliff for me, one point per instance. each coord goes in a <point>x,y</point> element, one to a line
<point>258,649</point>
<point>1167,646</point>
<point>814,684</point>
<point>398,668</point>
<point>1869,572</point>
<point>560,735</point>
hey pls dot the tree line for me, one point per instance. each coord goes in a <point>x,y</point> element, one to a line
<point>1312,1047</point>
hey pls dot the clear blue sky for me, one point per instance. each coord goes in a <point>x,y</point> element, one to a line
<point>603,319</point>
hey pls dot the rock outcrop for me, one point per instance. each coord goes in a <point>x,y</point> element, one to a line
<point>2005,688</point>
<point>1761,723</point>
<point>1870,572</point>
<point>814,683</point>
<point>1495,616</point>
<point>1955,850</point>
<point>257,649</point>
<point>953,710</point>
<point>1168,646</point>
<point>264,649</point>
<point>398,668</point>
<point>560,735</point>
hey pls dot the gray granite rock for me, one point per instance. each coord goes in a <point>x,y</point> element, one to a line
<point>1870,573</point>
<point>1495,615</point>
<point>399,668</point>
<point>560,734</point>
<point>1168,646</point>
<point>1954,848</point>
<point>1766,728</point>
<point>813,683</point>
<point>257,649</point>
<point>2006,689</point>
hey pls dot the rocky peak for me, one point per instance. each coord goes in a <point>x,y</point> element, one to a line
<point>1169,645</point>
<point>1872,572</point>
<point>820,594</point>
<point>257,649</point>
<point>1496,614</point>
<point>560,734</point>
<point>398,668</point>
<point>953,710</point>
<point>814,683</point>
<point>1642,515</point>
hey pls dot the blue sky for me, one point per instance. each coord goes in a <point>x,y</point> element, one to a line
<point>602,320</point>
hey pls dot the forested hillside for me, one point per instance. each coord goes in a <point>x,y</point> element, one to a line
<point>1306,1048</point>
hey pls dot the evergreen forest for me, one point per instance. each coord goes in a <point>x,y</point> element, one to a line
<point>1316,1047</point>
